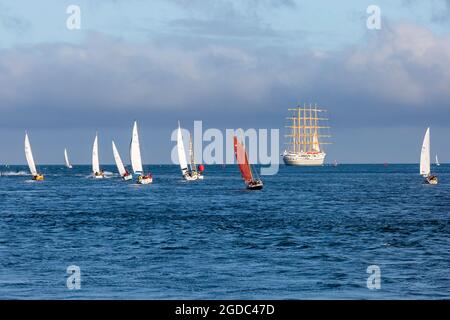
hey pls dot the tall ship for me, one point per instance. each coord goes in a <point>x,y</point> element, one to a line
<point>305,138</point>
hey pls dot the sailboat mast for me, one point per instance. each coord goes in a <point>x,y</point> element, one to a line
<point>191,152</point>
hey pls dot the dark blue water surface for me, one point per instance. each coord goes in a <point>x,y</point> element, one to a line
<point>310,233</point>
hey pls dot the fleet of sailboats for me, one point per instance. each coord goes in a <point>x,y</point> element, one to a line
<point>192,173</point>
<point>30,160</point>
<point>136,160</point>
<point>425,167</point>
<point>97,173</point>
<point>66,159</point>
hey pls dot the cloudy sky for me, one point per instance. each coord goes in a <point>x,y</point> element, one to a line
<point>229,63</point>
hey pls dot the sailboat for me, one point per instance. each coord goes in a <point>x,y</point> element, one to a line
<point>194,169</point>
<point>120,167</point>
<point>66,158</point>
<point>425,160</point>
<point>437,161</point>
<point>29,155</point>
<point>245,167</point>
<point>305,145</point>
<point>96,172</point>
<point>136,160</point>
<point>191,173</point>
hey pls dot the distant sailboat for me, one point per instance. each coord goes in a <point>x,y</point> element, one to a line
<point>120,167</point>
<point>136,160</point>
<point>97,173</point>
<point>245,167</point>
<point>66,158</point>
<point>425,170</point>
<point>192,173</point>
<point>437,161</point>
<point>29,155</point>
<point>194,169</point>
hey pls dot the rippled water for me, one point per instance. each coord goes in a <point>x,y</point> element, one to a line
<point>310,233</point>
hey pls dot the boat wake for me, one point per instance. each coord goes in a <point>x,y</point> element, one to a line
<point>14,173</point>
<point>107,175</point>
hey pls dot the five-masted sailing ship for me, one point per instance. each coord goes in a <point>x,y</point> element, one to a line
<point>305,137</point>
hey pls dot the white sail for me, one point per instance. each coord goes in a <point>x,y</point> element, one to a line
<point>437,161</point>
<point>66,158</point>
<point>95,162</point>
<point>191,154</point>
<point>118,160</point>
<point>316,146</point>
<point>425,155</point>
<point>135,152</point>
<point>181,152</point>
<point>29,156</point>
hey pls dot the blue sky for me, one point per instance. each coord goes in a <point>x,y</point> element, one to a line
<point>229,63</point>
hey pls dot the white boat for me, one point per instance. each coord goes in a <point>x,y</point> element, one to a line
<point>189,174</point>
<point>136,159</point>
<point>96,172</point>
<point>305,144</point>
<point>120,167</point>
<point>437,161</point>
<point>194,170</point>
<point>66,158</point>
<point>30,160</point>
<point>425,170</point>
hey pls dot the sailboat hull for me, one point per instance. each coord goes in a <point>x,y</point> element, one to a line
<point>304,159</point>
<point>98,176</point>
<point>39,177</point>
<point>431,180</point>
<point>255,185</point>
<point>128,177</point>
<point>192,177</point>
<point>144,180</point>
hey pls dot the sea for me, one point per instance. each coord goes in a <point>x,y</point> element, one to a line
<point>331,232</point>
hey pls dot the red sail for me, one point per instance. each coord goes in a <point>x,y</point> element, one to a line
<point>242,161</point>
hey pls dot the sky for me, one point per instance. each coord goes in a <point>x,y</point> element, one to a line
<point>231,64</point>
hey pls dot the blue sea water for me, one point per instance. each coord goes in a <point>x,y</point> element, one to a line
<point>310,233</point>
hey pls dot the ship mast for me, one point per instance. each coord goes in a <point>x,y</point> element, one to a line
<point>315,138</point>
<point>305,129</point>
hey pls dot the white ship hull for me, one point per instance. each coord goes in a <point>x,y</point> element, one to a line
<point>304,159</point>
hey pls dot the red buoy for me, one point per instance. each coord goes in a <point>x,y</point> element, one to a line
<point>201,168</point>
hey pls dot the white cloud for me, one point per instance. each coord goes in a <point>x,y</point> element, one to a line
<point>402,68</point>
